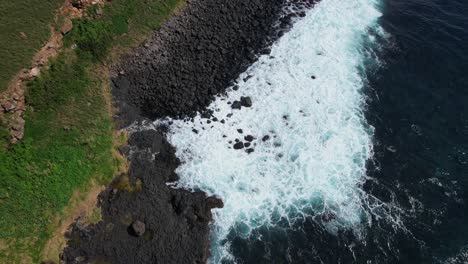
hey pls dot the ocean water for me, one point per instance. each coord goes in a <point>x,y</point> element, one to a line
<point>359,127</point>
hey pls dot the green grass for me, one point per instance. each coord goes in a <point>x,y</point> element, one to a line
<point>68,140</point>
<point>32,17</point>
<point>68,134</point>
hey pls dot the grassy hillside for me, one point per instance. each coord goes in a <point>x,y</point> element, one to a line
<point>69,132</point>
<point>24,27</point>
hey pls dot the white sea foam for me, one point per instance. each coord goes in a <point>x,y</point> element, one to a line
<point>315,159</point>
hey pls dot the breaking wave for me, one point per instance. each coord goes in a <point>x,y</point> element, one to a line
<point>310,140</point>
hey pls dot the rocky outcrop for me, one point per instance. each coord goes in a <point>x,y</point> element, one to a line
<point>11,114</point>
<point>156,224</point>
<point>80,4</point>
<point>194,56</point>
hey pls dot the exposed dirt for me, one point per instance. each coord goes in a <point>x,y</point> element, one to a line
<point>82,206</point>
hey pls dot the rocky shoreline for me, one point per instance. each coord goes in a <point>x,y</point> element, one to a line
<point>194,56</point>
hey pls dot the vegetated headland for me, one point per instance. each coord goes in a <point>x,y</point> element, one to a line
<point>69,147</point>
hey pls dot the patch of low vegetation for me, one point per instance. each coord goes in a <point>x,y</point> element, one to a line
<point>69,137</point>
<point>24,27</point>
<point>68,140</point>
<point>92,37</point>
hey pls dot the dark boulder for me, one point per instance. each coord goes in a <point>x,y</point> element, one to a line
<point>79,4</point>
<point>137,228</point>
<point>249,138</point>
<point>246,101</point>
<point>239,145</point>
<point>214,202</point>
<point>236,105</point>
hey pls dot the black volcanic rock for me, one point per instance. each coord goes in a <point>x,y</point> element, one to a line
<point>249,138</point>
<point>137,228</point>
<point>173,218</point>
<point>239,145</point>
<point>246,101</point>
<point>236,105</point>
<point>195,55</point>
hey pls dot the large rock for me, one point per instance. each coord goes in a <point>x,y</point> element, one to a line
<point>78,3</point>
<point>66,26</point>
<point>239,145</point>
<point>34,72</point>
<point>138,228</point>
<point>9,106</point>
<point>214,202</point>
<point>249,138</point>
<point>17,134</point>
<point>246,101</point>
<point>18,123</point>
<point>236,105</point>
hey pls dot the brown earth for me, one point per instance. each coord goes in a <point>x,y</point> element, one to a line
<point>82,206</point>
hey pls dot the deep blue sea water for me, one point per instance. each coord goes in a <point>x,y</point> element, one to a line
<point>389,88</point>
<point>418,103</point>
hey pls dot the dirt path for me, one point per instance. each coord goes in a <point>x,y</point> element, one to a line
<point>82,206</point>
<point>12,101</point>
